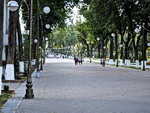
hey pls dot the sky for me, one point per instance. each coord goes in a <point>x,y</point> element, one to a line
<point>75,17</point>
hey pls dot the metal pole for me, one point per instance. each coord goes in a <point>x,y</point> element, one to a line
<point>143,54</point>
<point>99,52</point>
<point>91,54</point>
<point>41,67</point>
<point>38,17</point>
<point>29,91</point>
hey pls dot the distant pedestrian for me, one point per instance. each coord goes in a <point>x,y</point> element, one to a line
<point>76,61</point>
<point>103,62</point>
<point>80,60</point>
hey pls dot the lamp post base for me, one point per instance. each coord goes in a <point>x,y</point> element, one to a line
<point>29,91</point>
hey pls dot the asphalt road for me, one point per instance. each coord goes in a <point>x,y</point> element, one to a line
<point>90,88</point>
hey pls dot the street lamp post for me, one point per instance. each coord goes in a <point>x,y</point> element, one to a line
<point>114,35</point>
<point>137,30</point>
<point>104,60</point>
<point>46,10</point>
<point>98,39</point>
<point>41,66</point>
<point>29,91</point>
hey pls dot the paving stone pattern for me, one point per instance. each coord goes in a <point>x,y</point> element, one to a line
<point>90,88</point>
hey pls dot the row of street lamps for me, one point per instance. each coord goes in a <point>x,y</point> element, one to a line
<point>13,6</point>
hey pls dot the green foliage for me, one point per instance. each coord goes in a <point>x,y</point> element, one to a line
<point>4,97</point>
<point>63,38</point>
<point>102,19</point>
<point>26,46</point>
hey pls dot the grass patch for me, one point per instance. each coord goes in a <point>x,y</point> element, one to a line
<point>5,96</point>
<point>131,67</point>
<point>23,78</point>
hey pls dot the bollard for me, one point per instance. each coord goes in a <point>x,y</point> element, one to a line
<point>38,74</point>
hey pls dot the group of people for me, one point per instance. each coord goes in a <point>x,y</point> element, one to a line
<point>78,61</point>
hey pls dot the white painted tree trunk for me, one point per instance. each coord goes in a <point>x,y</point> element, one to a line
<point>4,53</point>
<point>115,61</point>
<point>125,62</point>
<point>1,79</point>
<point>111,61</point>
<point>128,62</point>
<point>9,73</point>
<point>137,63</point>
<point>142,64</point>
<point>33,62</point>
<point>21,66</point>
<point>121,62</point>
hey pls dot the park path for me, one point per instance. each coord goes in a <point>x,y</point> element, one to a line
<point>90,88</point>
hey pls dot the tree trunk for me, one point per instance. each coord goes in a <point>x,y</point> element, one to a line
<point>1,29</point>
<point>116,43</point>
<point>11,37</point>
<point>127,45</point>
<point>126,51</point>
<point>136,53</point>
<point>99,50</point>
<point>19,39</point>
<point>121,54</point>
<point>88,51</point>
<point>111,48</point>
<point>9,74</point>
<point>1,40</point>
<point>103,49</point>
<point>144,40</point>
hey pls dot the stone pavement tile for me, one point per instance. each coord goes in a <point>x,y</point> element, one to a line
<point>90,88</point>
<point>13,86</point>
<point>12,104</point>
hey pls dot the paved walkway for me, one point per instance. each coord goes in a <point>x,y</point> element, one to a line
<point>90,88</point>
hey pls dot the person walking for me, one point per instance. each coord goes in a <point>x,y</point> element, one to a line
<point>103,62</point>
<point>76,61</point>
<point>80,60</point>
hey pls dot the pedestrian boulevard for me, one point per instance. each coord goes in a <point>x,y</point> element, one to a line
<point>89,88</point>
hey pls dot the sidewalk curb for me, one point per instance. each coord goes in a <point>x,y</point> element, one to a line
<point>13,103</point>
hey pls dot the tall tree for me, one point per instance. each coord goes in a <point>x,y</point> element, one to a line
<point>10,75</point>
<point>1,29</point>
<point>1,40</point>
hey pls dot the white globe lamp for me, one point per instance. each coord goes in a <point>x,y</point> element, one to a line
<point>47,26</point>
<point>12,5</point>
<point>35,41</point>
<point>46,9</point>
<point>46,39</point>
<point>113,34</point>
<point>98,38</point>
